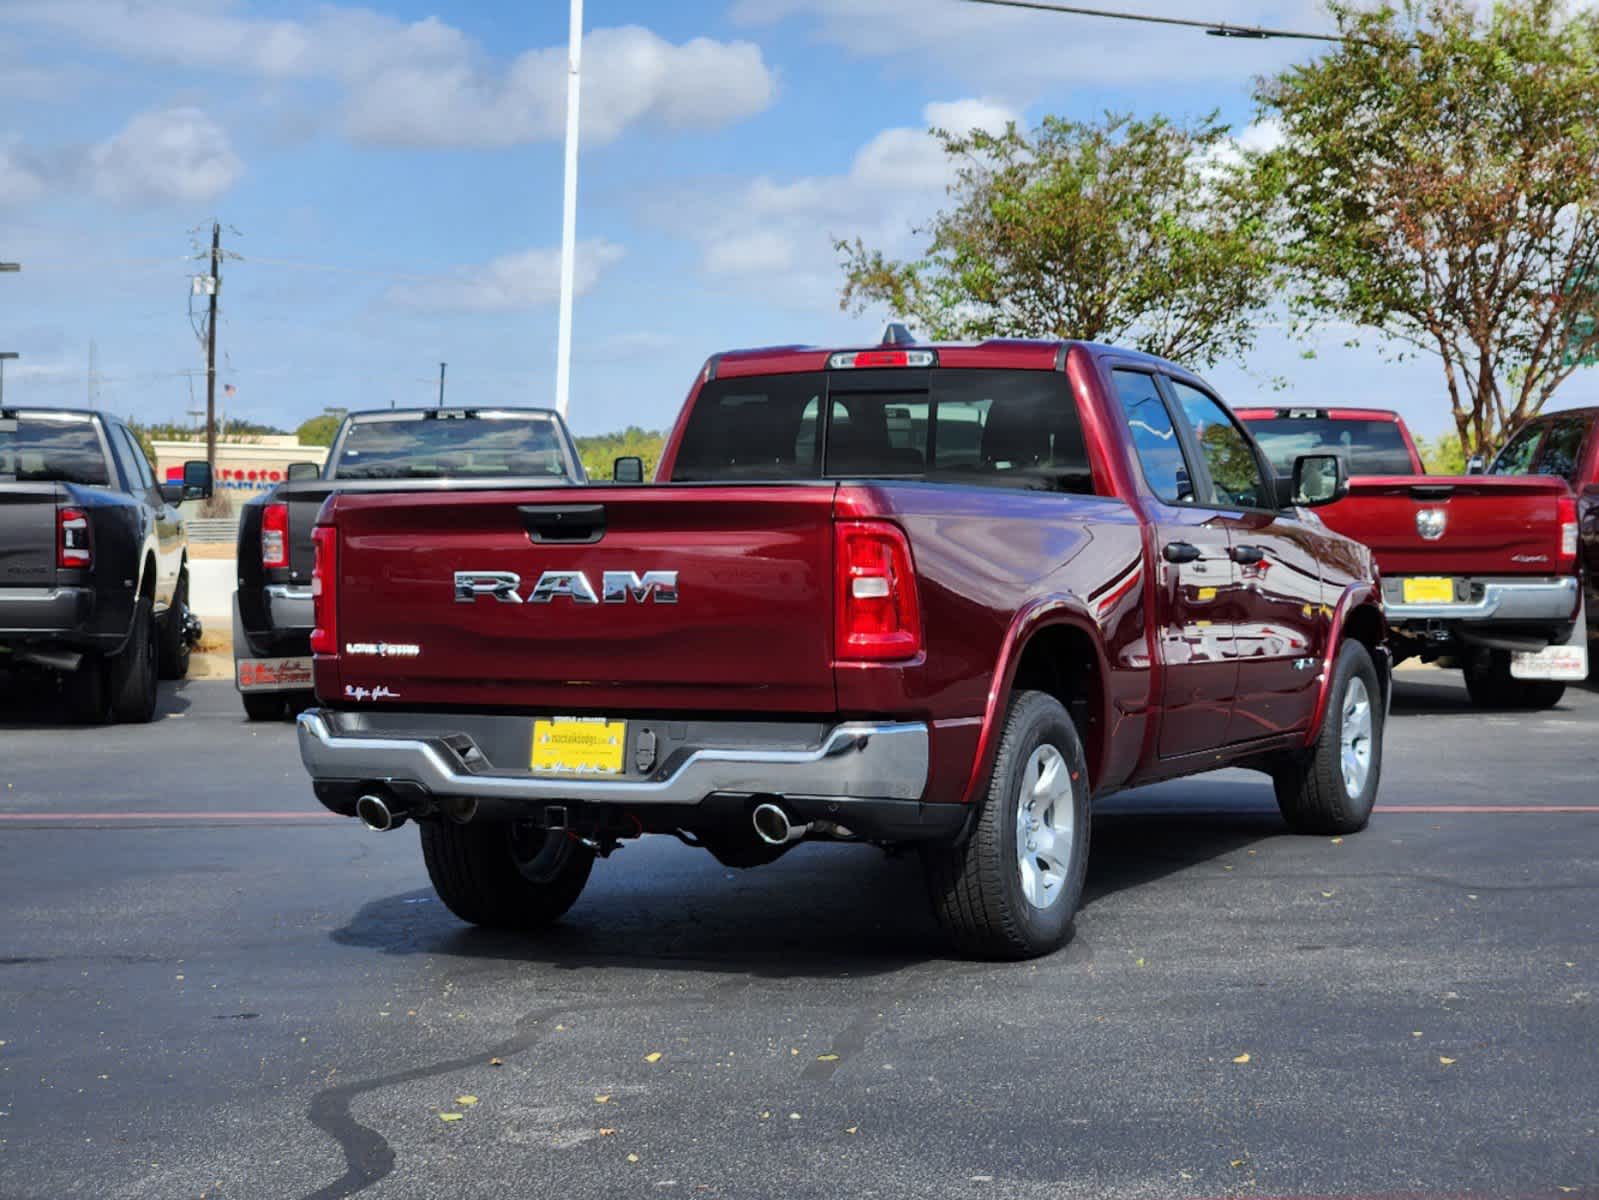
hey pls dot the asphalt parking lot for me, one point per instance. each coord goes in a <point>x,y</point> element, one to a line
<point>207,988</point>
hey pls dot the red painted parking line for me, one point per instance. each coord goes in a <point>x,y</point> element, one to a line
<point>1487,808</point>
<point>69,818</point>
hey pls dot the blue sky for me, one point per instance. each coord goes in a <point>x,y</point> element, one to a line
<point>394,175</point>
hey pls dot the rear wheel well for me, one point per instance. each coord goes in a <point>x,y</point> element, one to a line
<point>1060,661</point>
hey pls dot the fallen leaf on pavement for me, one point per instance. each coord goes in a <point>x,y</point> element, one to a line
<point>606,1132</point>
<point>1448,1062</point>
<point>449,1116</point>
<point>602,1099</point>
<point>1242,1058</point>
<point>494,1062</point>
<point>766,1116</point>
<point>1237,1162</point>
<point>827,1058</point>
<point>1338,841</point>
<point>853,1129</point>
<point>632,1158</point>
<point>466,1101</point>
<point>653,1056</point>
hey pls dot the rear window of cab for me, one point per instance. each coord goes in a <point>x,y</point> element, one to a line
<point>998,428</point>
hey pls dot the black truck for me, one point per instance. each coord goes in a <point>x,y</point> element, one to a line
<point>94,580</point>
<point>377,451</point>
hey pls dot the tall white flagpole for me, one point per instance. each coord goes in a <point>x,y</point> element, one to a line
<point>563,350</point>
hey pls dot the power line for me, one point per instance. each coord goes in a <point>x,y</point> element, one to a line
<point>1214,28</point>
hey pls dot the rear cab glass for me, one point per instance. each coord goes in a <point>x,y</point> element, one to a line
<point>46,447</point>
<point>996,428</point>
<point>1373,446</point>
<point>480,445</point>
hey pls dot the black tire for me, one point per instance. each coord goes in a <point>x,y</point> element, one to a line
<point>1491,685</point>
<point>977,888</point>
<point>1312,791</point>
<point>133,674</point>
<point>174,640</point>
<point>262,706</point>
<point>504,875</point>
<point>84,692</point>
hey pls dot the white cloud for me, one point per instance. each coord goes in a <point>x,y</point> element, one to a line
<point>425,83</point>
<point>525,279</point>
<point>775,237</point>
<point>174,154</point>
<point>1015,52</point>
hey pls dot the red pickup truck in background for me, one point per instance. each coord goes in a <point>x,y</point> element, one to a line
<point>1478,571</point>
<point>929,595</point>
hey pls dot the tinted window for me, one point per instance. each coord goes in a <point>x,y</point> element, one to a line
<point>143,476</point>
<point>1562,449</point>
<point>123,458</point>
<point>456,447</point>
<point>1154,438</point>
<point>1234,469</point>
<point>43,448</point>
<point>1516,458</point>
<point>1369,447</point>
<point>764,427</point>
<point>1001,428</point>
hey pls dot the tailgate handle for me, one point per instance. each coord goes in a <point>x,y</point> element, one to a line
<point>563,522</point>
<point>1431,491</point>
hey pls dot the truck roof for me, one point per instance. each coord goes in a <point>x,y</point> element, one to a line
<point>1315,413</point>
<point>452,410</point>
<point>1028,354</point>
<point>12,410</point>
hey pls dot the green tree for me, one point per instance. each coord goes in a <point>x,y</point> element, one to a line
<point>1147,232</point>
<point>600,452</point>
<point>1439,183</point>
<point>1442,455</point>
<point>318,431</point>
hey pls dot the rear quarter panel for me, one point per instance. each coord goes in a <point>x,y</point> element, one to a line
<point>995,565</point>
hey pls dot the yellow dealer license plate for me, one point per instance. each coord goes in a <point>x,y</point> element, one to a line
<point>1424,590</point>
<point>579,746</point>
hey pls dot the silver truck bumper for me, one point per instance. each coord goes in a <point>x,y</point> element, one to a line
<point>855,760</point>
<point>290,606</point>
<point>25,610</point>
<point>1553,600</point>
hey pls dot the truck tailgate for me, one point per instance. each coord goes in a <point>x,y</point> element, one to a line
<point>1492,525</point>
<point>750,627</point>
<point>28,534</point>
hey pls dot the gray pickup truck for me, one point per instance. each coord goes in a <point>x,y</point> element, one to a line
<point>94,581</point>
<point>384,450</point>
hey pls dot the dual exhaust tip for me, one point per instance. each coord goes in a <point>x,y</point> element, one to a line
<point>381,814</point>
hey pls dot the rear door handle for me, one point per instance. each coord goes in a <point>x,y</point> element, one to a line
<point>1248,555</point>
<point>1180,552</point>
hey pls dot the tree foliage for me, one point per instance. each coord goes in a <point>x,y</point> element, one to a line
<point>1439,182</point>
<point>1144,232</point>
<point>600,452</point>
<point>318,431</point>
<point>1442,455</point>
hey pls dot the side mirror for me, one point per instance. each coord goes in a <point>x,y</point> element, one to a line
<point>197,483</point>
<point>628,469</point>
<point>1319,479</point>
<point>1477,464</point>
<point>302,470</point>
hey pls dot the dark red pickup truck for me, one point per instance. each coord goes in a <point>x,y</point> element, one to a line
<point>932,595</point>
<point>1479,571</point>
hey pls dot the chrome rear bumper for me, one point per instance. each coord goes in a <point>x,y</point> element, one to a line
<point>853,761</point>
<point>1503,600</point>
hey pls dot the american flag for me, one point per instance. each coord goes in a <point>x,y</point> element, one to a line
<point>228,389</point>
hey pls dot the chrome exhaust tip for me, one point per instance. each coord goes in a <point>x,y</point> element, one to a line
<point>376,814</point>
<point>774,828</point>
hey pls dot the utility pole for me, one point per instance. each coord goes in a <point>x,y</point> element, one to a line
<point>563,345</point>
<point>9,268</point>
<point>211,349</point>
<point>441,385</point>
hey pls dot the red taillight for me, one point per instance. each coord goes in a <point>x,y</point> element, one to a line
<point>275,535</point>
<point>73,548</point>
<point>1568,534</point>
<point>324,608</point>
<point>877,617</point>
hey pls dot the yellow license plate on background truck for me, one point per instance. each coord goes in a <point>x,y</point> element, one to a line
<point>1425,590</point>
<point>579,746</point>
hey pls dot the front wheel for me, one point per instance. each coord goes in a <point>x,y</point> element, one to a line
<point>1011,890</point>
<point>1491,685</point>
<point>1331,788</point>
<point>504,875</point>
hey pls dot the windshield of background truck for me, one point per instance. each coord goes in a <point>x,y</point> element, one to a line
<point>44,448</point>
<point>993,428</point>
<point>455,447</point>
<point>1369,447</point>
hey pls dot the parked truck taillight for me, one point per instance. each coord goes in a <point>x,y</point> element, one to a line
<point>878,617</point>
<point>1568,534</point>
<point>73,548</point>
<point>324,606</point>
<point>275,535</point>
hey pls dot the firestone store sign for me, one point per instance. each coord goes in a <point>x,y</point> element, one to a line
<point>243,468</point>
